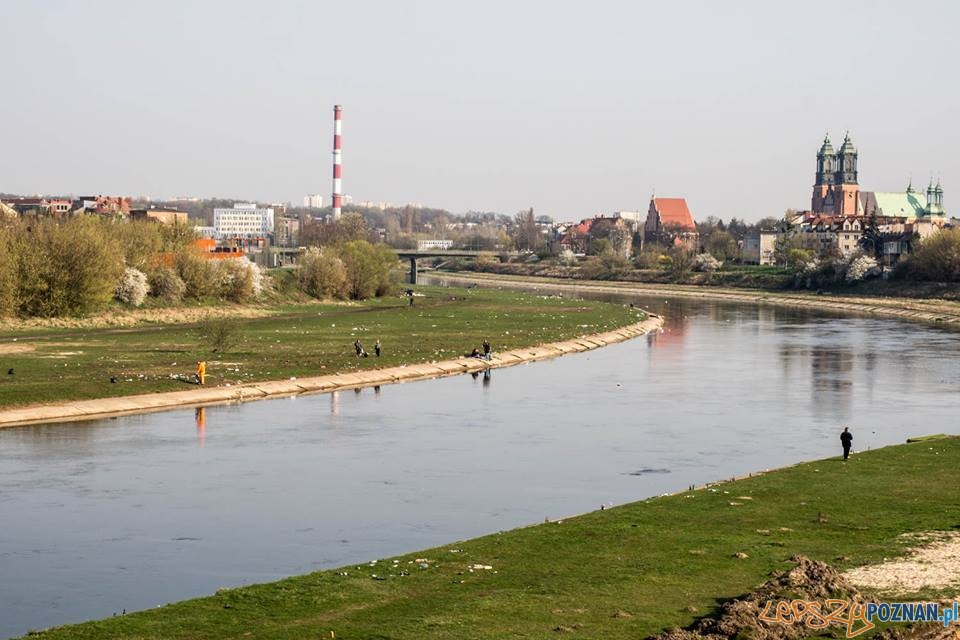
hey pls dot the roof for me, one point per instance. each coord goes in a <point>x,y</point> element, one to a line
<point>674,212</point>
<point>847,146</point>
<point>827,148</point>
<point>898,204</point>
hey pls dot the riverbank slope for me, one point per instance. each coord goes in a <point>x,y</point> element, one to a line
<point>922,310</point>
<point>624,572</point>
<point>143,403</point>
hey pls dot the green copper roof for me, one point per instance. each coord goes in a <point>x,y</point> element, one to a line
<point>847,145</point>
<point>826,149</point>
<point>900,204</point>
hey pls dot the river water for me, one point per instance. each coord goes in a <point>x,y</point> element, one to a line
<point>135,512</point>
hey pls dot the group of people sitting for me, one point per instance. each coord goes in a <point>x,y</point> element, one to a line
<point>486,351</point>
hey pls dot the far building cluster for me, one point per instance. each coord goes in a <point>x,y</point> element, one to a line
<point>843,218</point>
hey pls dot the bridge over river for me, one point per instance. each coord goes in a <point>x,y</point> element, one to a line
<point>414,255</point>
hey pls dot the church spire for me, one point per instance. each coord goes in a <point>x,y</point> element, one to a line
<point>847,162</point>
<point>826,163</point>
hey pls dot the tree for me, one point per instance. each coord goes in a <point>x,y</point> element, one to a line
<point>681,260</point>
<point>8,272</point>
<point>67,269</point>
<point>140,241</point>
<point>526,233</point>
<point>321,274</point>
<point>872,240</point>
<point>368,268</point>
<point>937,257</point>
<point>722,245</point>
<point>348,228</point>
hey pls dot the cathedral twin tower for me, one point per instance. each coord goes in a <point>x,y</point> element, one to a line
<point>835,189</point>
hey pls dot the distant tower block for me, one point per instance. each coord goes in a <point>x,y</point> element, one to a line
<point>337,186</point>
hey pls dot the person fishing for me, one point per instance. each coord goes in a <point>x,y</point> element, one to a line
<point>846,440</point>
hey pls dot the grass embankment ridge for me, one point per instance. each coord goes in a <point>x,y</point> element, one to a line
<point>282,352</point>
<point>922,310</point>
<point>625,572</point>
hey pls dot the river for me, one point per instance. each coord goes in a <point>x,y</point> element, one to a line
<point>134,512</point>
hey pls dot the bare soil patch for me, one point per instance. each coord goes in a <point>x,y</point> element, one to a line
<point>9,348</point>
<point>740,617</point>
<point>934,564</point>
<point>133,317</point>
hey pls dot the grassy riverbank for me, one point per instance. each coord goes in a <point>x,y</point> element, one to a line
<point>625,572</point>
<point>57,363</point>
<point>919,309</point>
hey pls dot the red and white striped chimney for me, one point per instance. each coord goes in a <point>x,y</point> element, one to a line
<point>337,190</point>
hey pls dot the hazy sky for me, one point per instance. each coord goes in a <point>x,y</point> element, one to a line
<point>573,108</point>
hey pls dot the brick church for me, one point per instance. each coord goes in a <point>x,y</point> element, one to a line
<point>836,190</point>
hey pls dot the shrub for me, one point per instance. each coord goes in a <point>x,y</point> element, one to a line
<point>681,260</point>
<point>132,288</point>
<point>198,274</point>
<point>567,258</point>
<point>167,285</point>
<point>704,262</point>
<point>648,259</point>
<point>140,241</point>
<point>368,268</point>
<point>935,258</point>
<point>321,274</point>
<point>239,280</point>
<point>67,269</point>
<point>862,267</point>
<point>8,273</point>
<point>820,272</point>
<point>218,334</point>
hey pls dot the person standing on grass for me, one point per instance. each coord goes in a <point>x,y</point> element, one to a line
<point>486,349</point>
<point>376,348</point>
<point>201,372</point>
<point>846,439</point>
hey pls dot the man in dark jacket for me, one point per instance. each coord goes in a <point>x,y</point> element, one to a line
<point>846,439</point>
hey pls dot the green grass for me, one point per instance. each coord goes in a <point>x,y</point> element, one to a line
<point>663,561</point>
<point>299,340</point>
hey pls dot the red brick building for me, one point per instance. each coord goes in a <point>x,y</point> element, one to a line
<point>669,222</point>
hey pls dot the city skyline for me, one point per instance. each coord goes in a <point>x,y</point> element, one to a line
<point>573,112</point>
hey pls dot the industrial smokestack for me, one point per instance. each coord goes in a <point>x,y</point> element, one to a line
<point>337,190</point>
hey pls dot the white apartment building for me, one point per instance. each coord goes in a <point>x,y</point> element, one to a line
<point>313,201</point>
<point>433,245</point>
<point>243,221</point>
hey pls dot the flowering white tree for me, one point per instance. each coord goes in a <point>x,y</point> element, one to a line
<point>706,262</point>
<point>862,267</point>
<point>133,287</point>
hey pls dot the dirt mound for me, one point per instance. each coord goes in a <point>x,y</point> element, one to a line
<point>740,617</point>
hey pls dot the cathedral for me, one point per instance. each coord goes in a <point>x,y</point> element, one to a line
<point>836,191</point>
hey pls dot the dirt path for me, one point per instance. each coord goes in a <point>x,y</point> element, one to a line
<point>105,407</point>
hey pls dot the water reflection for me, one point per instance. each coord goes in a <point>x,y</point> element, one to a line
<point>200,418</point>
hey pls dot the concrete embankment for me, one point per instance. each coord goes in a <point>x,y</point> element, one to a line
<point>109,407</point>
<point>922,310</point>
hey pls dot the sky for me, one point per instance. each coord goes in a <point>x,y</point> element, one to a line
<point>572,108</point>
